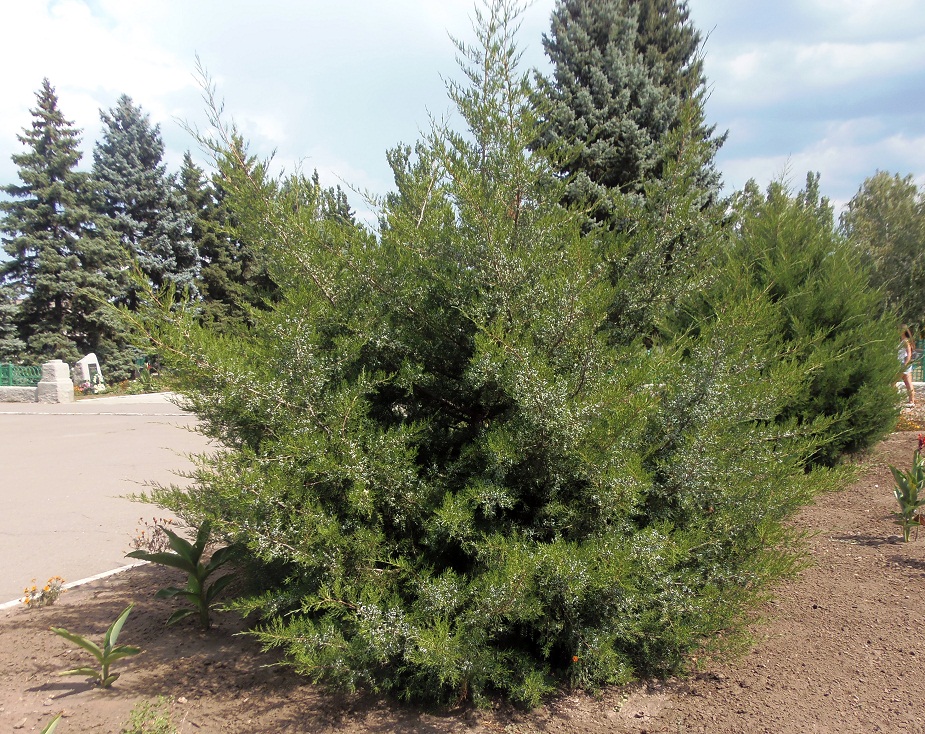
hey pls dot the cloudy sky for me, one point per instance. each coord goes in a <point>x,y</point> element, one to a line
<point>835,86</point>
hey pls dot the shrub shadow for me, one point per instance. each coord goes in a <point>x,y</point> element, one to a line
<point>911,563</point>
<point>63,689</point>
<point>872,541</point>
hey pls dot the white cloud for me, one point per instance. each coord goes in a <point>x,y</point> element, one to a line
<point>827,85</point>
<point>833,64</point>
<point>82,50</point>
<point>845,155</point>
<point>90,57</point>
<point>766,76</point>
<point>868,19</point>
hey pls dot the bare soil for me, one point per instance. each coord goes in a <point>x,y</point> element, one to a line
<point>839,649</point>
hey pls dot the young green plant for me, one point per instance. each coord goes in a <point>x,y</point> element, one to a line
<point>52,725</point>
<point>187,557</point>
<point>907,491</point>
<point>105,655</point>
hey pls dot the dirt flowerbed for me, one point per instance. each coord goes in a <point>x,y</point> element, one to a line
<point>840,649</point>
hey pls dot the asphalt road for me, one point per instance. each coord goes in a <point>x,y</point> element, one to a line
<point>63,472</point>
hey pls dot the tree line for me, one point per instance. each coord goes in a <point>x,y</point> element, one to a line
<point>80,244</point>
<point>617,90</point>
<point>545,425</point>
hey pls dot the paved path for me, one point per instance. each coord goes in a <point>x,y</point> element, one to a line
<point>63,469</point>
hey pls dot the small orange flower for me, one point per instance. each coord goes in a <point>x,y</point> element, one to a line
<point>574,658</point>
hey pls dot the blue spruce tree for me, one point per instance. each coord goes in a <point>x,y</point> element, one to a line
<point>626,73</point>
<point>142,201</point>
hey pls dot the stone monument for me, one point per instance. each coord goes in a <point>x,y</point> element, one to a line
<point>88,367</point>
<point>55,385</point>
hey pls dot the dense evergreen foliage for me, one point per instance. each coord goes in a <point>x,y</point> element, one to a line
<point>11,346</point>
<point>663,246</point>
<point>625,73</point>
<point>235,275</point>
<point>886,222</point>
<point>670,45</point>
<point>225,281</point>
<point>623,125</point>
<point>140,198</point>
<point>455,475</point>
<point>65,263</point>
<point>829,317</point>
<point>543,427</point>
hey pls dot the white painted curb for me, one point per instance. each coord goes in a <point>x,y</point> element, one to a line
<point>72,584</point>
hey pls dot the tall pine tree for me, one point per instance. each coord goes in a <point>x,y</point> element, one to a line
<point>787,246</point>
<point>670,44</point>
<point>208,219</point>
<point>624,72</point>
<point>232,278</point>
<point>623,126</point>
<point>235,276</point>
<point>65,262</point>
<point>141,200</point>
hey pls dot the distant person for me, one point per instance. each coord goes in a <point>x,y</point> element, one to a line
<point>905,355</point>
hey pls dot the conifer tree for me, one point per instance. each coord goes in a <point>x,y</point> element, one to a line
<point>663,247</point>
<point>141,200</point>
<point>65,262</point>
<point>451,476</point>
<point>232,279</point>
<point>669,41</point>
<point>235,278</point>
<point>623,125</point>
<point>624,71</point>
<point>670,45</point>
<point>221,257</point>
<point>885,221</point>
<point>830,321</point>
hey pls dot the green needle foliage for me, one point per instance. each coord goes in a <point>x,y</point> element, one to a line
<point>106,655</point>
<point>830,318</point>
<point>625,74</point>
<point>140,200</point>
<point>63,262</point>
<point>187,557</point>
<point>455,467</point>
